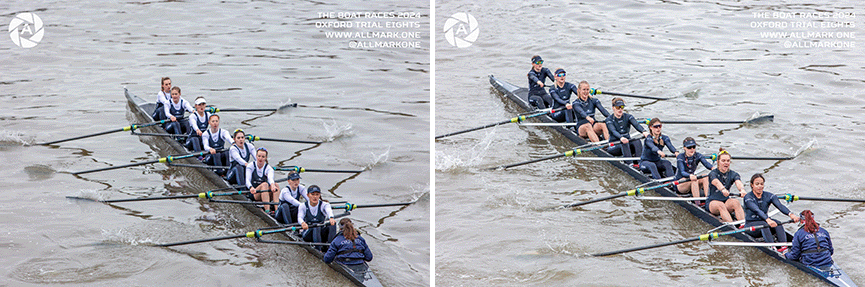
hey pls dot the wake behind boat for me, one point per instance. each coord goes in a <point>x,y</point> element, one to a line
<point>833,275</point>
<point>359,274</point>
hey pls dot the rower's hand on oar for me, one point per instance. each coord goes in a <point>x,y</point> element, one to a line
<point>725,192</point>
<point>212,151</point>
<point>661,153</point>
<point>645,134</point>
<point>693,177</point>
<point>794,217</point>
<point>332,222</point>
<point>173,118</point>
<point>252,190</point>
<point>624,140</point>
<point>304,226</point>
<point>541,84</point>
<point>590,119</point>
<point>199,132</point>
<point>677,154</point>
<point>771,222</point>
<point>569,106</point>
<point>274,187</point>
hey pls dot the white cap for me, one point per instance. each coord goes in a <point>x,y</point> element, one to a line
<point>200,100</point>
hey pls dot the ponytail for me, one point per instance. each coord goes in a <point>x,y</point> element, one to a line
<point>811,226</point>
<point>348,230</point>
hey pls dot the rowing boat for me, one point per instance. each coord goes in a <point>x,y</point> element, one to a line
<point>359,274</point>
<point>518,95</point>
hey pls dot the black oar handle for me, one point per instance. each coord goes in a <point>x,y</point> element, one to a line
<point>597,92</point>
<point>84,136</point>
<point>253,138</point>
<point>202,240</point>
<point>301,169</point>
<point>118,166</point>
<point>597,200</point>
<point>350,206</point>
<point>517,119</point>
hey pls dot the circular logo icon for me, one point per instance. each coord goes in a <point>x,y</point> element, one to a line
<point>461,30</point>
<point>26,30</point>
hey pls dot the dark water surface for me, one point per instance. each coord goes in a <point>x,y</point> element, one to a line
<point>495,227</point>
<point>370,105</point>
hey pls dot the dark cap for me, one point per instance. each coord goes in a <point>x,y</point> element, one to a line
<point>619,103</point>
<point>293,176</point>
<point>313,188</point>
<point>536,58</point>
<point>560,70</point>
<point>689,142</point>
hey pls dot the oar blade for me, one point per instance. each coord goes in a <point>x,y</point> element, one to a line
<point>284,109</point>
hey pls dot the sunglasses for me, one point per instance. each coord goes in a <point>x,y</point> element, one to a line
<point>539,62</point>
<point>657,126</point>
<point>619,107</point>
<point>692,147</point>
<point>723,152</point>
<point>560,75</point>
<point>261,148</point>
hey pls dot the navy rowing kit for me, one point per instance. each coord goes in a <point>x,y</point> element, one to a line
<point>756,210</point>
<point>687,165</point>
<point>652,162</point>
<point>348,252</point>
<point>583,109</point>
<point>289,203</point>
<point>162,98</point>
<point>321,213</point>
<point>239,158</point>
<point>561,97</point>
<point>198,123</point>
<point>538,97</point>
<point>177,110</point>
<point>727,179</point>
<point>812,249</point>
<point>621,128</point>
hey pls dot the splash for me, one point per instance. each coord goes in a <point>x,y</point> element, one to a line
<point>94,194</point>
<point>378,159</point>
<point>692,94</point>
<point>334,130</point>
<point>464,158</point>
<point>12,138</point>
<point>124,237</point>
<point>808,147</point>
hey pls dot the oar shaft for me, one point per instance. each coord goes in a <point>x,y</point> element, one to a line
<point>353,206</point>
<point>202,240</point>
<point>533,161</point>
<point>199,165</point>
<point>150,198</point>
<point>645,247</point>
<point>118,166</point>
<point>84,136</point>
<point>473,129</point>
<point>161,135</point>
<point>255,138</point>
<point>628,95</point>
<point>597,200</point>
<point>332,170</point>
<point>516,119</point>
<point>828,199</point>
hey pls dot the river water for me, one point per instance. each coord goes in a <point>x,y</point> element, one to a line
<point>370,104</point>
<point>496,227</point>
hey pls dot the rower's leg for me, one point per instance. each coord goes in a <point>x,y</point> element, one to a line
<point>767,235</point>
<point>275,198</point>
<point>705,182</point>
<point>733,204</point>
<point>601,128</point>
<point>780,234</point>
<point>683,188</point>
<point>667,168</point>
<point>618,150</point>
<point>651,167</point>
<point>240,174</point>
<point>587,131</point>
<point>717,208</point>
<point>638,150</point>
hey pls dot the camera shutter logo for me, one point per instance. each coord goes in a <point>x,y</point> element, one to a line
<point>461,30</point>
<point>26,30</point>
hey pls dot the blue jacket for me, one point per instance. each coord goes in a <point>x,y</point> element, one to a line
<point>562,96</point>
<point>756,208</point>
<point>803,241</point>
<point>621,127</point>
<point>348,252</point>
<point>651,149</point>
<point>688,165</point>
<point>727,180</point>
<point>583,109</point>
<point>542,76</point>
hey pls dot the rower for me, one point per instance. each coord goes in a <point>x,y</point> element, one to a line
<point>215,138</point>
<point>811,244</point>
<point>289,199</point>
<point>561,94</point>
<point>718,202</point>
<point>175,109</point>
<point>652,159</point>
<point>239,154</point>
<point>619,125</point>
<point>259,180</point>
<point>348,247</point>
<point>538,97</point>
<point>316,210</point>
<point>584,112</point>
<point>162,99</point>
<point>686,164</point>
<point>199,121</point>
<point>757,205</point>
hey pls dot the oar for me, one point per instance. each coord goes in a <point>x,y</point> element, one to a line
<point>167,159</point>
<point>636,191</point>
<point>714,157</point>
<point>574,152</point>
<point>301,169</point>
<point>200,166</point>
<point>162,135</point>
<point>598,92</point>
<point>280,109</point>
<point>634,136</point>
<point>350,206</point>
<point>251,234</point>
<point>753,120</point>
<point>517,119</point>
<point>209,194</point>
<point>704,237</point>
<point>253,138</point>
<point>790,198</point>
<point>133,127</point>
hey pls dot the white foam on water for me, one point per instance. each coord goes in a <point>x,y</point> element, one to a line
<point>335,130</point>
<point>94,194</point>
<point>9,138</point>
<point>462,158</point>
<point>378,159</point>
<point>125,237</point>
<point>808,147</point>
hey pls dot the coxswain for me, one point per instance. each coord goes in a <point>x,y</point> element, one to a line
<point>175,110</point>
<point>198,121</point>
<point>561,93</point>
<point>812,245</point>
<point>686,167</point>
<point>259,180</point>
<point>619,126</point>
<point>538,96</point>
<point>162,99</point>
<point>214,138</point>
<point>316,210</point>
<point>756,208</point>
<point>348,247</point>
<point>652,160</point>
<point>240,155</point>
<point>584,113</point>
<point>290,199</point>
<point>721,179</point>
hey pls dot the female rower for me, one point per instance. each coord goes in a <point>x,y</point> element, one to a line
<point>259,180</point>
<point>718,202</point>
<point>811,244</point>
<point>757,205</point>
<point>561,93</point>
<point>686,164</point>
<point>239,154</point>
<point>162,99</point>
<point>215,138</point>
<point>652,159</point>
<point>316,210</point>
<point>199,121</point>
<point>348,247</point>
<point>538,97</point>
<point>289,199</point>
<point>619,125</point>
<point>174,110</point>
<point>584,111</point>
